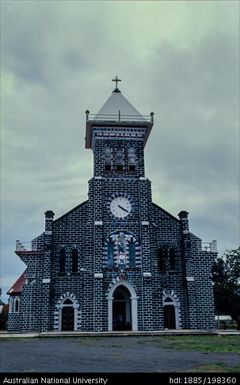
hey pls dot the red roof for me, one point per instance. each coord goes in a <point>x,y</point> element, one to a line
<point>17,287</point>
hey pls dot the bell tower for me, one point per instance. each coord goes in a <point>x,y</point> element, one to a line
<point>117,135</point>
<point>119,202</point>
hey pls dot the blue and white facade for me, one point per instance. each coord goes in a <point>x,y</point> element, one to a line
<point>116,261</point>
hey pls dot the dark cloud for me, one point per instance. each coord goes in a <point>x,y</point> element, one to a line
<point>197,111</point>
<point>58,59</point>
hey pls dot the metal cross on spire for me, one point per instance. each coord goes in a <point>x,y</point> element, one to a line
<point>116,80</point>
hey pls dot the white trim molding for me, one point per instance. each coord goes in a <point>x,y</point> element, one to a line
<point>46,280</point>
<point>98,223</point>
<point>190,279</point>
<point>175,302</point>
<point>98,275</point>
<point>58,311</point>
<point>147,275</point>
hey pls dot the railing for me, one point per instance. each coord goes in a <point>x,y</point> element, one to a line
<point>209,246</point>
<point>119,117</point>
<point>23,246</point>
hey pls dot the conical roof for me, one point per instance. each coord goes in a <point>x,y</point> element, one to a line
<point>116,105</point>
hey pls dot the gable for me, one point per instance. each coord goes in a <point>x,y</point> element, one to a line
<point>160,211</point>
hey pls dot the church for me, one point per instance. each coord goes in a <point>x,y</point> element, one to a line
<point>117,261</point>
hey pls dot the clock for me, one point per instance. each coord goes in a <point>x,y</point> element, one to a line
<point>120,207</point>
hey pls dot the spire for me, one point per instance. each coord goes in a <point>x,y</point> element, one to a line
<point>116,80</point>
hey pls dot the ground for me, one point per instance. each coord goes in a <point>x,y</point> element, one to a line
<point>121,354</point>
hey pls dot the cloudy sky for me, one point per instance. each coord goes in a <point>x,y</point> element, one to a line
<point>179,59</point>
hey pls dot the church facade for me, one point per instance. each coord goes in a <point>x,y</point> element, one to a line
<point>117,261</point>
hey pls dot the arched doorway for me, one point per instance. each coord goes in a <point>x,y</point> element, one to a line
<point>67,316</point>
<point>171,311</point>
<point>131,299</point>
<point>169,317</point>
<point>121,311</point>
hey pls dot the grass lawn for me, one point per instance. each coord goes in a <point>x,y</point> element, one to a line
<point>205,344</point>
<point>216,368</point>
<point>224,346</point>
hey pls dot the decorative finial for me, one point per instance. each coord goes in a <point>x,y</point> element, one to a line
<point>116,80</point>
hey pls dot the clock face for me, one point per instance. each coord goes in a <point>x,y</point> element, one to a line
<point>120,207</point>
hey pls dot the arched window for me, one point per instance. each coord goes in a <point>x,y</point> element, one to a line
<point>172,259</point>
<point>131,159</point>
<point>16,305</point>
<point>11,305</point>
<point>132,254</point>
<point>110,254</point>
<point>122,249</point>
<point>62,261</point>
<point>162,259</point>
<point>74,261</point>
<point>108,158</point>
<point>119,159</point>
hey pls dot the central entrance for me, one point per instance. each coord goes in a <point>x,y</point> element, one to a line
<point>121,309</point>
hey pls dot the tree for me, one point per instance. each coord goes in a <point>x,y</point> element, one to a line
<point>3,317</point>
<point>226,278</point>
